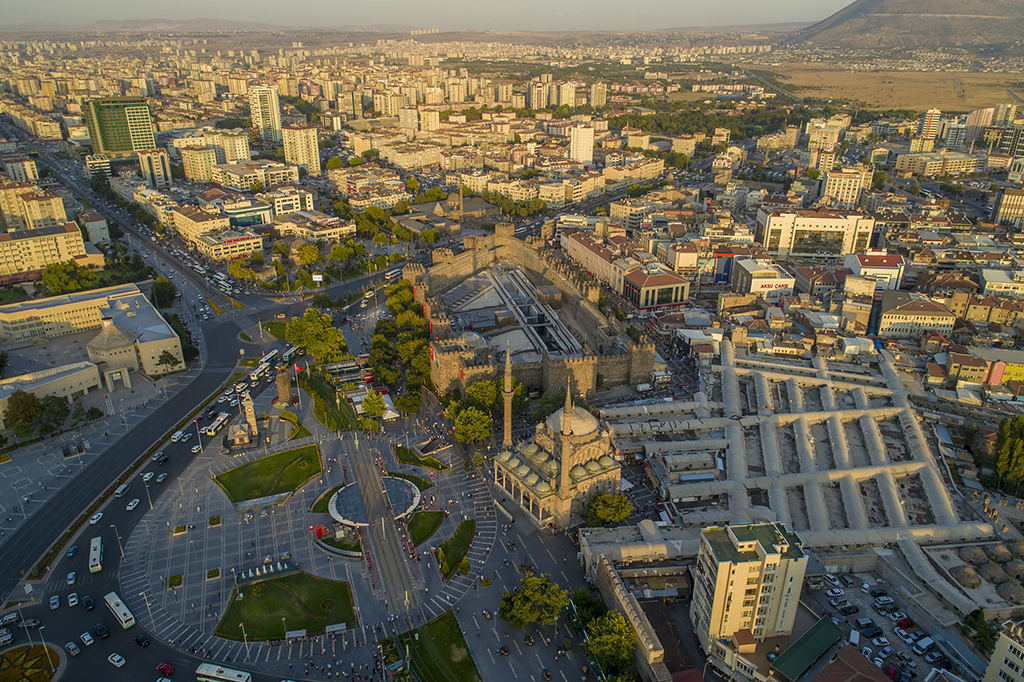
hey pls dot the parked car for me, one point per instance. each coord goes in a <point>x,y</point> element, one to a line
<point>885,653</point>
<point>116,660</point>
<point>72,648</point>
<point>88,603</point>
<point>54,602</point>
<point>87,639</point>
<point>890,672</point>
<point>880,641</point>
<point>72,551</point>
<point>30,623</point>
<point>101,630</point>
<point>906,623</point>
<point>837,603</point>
<point>878,592</point>
<point>835,592</point>
<point>849,610</point>
<point>866,651</point>
<point>934,657</point>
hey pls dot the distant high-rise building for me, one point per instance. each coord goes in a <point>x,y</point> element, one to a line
<point>537,95</point>
<point>931,124</point>
<point>238,85</point>
<point>265,112</point>
<point>842,188</point>
<point>567,94</point>
<point>956,136</point>
<point>976,122</point>
<point>430,119</point>
<point>408,118</point>
<point>598,95</point>
<point>1004,114</point>
<point>581,144</point>
<point>351,103</point>
<point>301,147</point>
<point>747,579</point>
<point>119,126</point>
<point>155,166</point>
<point>198,163</point>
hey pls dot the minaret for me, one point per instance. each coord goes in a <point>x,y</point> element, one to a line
<point>565,449</point>
<point>567,418</point>
<point>507,394</point>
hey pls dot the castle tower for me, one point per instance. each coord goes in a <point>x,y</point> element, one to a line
<point>507,395</point>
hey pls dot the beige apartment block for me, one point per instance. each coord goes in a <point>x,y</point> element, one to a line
<point>228,244</point>
<point>301,147</point>
<point>1007,661</point>
<point>30,250</point>
<point>198,163</point>
<point>66,381</point>
<point>190,222</point>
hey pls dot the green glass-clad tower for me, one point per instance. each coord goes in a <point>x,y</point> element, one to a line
<point>119,126</point>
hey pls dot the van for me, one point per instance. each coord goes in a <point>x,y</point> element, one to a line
<point>5,637</point>
<point>855,638</point>
<point>923,646</point>
<point>9,619</point>
<point>177,436</point>
<point>122,489</point>
<point>864,623</point>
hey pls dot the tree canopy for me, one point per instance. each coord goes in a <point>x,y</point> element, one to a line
<point>611,641</point>
<point>603,508</point>
<point>538,599</point>
<point>317,336</point>
<point>472,425</point>
<point>374,405</point>
<point>67,277</point>
<point>309,254</point>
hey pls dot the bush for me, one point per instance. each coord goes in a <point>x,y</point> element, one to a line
<point>174,581</point>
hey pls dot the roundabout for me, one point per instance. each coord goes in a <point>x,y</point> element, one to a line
<point>346,506</point>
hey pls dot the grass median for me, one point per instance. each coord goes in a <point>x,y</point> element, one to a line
<point>423,525</point>
<point>283,472</point>
<point>438,652</point>
<point>452,551</point>
<point>305,602</point>
<point>421,483</point>
<point>410,456</point>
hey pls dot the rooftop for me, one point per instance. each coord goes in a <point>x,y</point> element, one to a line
<point>768,535</point>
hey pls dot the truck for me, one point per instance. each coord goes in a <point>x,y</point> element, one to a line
<point>923,646</point>
<point>643,388</point>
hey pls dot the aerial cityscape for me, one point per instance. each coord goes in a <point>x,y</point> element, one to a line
<point>473,342</point>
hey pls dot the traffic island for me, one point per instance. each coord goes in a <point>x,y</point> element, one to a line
<point>437,652</point>
<point>280,474</point>
<point>423,525</point>
<point>30,664</point>
<point>291,604</point>
<point>451,554</point>
<point>410,456</point>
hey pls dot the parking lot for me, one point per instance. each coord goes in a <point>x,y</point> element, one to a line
<point>888,639</point>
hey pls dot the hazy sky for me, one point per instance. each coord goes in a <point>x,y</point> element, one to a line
<point>456,14</point>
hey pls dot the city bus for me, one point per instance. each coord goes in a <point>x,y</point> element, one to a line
<point>120,611</point>
<point>269,357</point>
<point>96,555</point>
<point>220,277</point>
<point>211,672</point>
<point>219,423</point>
<point>392,274</point>
<point>290,353</point>
<point>258,372</point>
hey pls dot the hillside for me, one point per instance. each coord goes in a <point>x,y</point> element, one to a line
<point>876,24</point>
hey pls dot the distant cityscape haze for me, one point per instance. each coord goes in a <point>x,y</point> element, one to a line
<point>526,15</point>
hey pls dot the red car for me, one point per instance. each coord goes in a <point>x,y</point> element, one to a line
<point>905,623</point>
<point>165,669</point>
<point>891,672</point>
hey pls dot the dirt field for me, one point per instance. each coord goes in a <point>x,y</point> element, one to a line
<point>951,91</point>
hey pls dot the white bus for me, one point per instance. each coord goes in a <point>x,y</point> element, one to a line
<point>211,672</point>
<point>258,372</point>
<point>96,555</point>
<point>219,423</point>
<point>220,277</point>
<point>120,611</point>
<point>290,353</point>
<point>269,357</point>
<point>392,274</point>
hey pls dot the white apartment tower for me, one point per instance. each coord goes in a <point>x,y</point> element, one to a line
<point>598,95</point>
<point>581,144</point>
<point>931,124</point>
<point>301,147</point>
<point>747,578</point>
<point>842,188</point>
<point>155,166</point>
<point>265,112</point>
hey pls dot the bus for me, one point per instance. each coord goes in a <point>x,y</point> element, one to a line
<point>258,372</point>
<point>269,357</point>
<point>96,555</point>
<point>220,277</point>
<point>290,353</point>
<point>211,672</point>
<point>219,423</point>
<point>392,274</point>
<point>120,611</point>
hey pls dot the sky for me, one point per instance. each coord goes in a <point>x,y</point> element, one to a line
<point>527,15</point>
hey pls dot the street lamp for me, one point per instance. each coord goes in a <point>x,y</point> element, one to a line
<point>45,648</point>
<point>148,607</point>
<point>145,484</point>
<point>118,541</point>
<point>285,626</point>
<point>246,641</point>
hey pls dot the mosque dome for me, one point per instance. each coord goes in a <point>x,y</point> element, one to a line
<point>580,422</point>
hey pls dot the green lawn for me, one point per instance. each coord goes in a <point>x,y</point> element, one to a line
<point>28,664</point>
<point>423,524</point>
<point>283,472</point>
<point>320,504</point>
<point>421,483</point>
<point>298,430</point>
<point>326,407</point>
<point>245,337</point>
<point>439,653</point>
<point>456,546</point>
<point>304,601</point>
<point>343,545</point>
<point>276,329</point>
<point>409,456</point>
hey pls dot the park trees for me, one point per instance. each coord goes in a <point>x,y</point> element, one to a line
<point>611,641</point>
<point>472,425</point>
<point>538,599</point>
<point>168,360</point>
<point>163,292</point>
<point>22,412</point>
<point>374,405</point>
<point>66,277</point>
<point>239,269</point>
<point>309,254</point>
<point>334,162</point>
<point>410,402</point>
<point>314,333</point>
<point>604,507</point>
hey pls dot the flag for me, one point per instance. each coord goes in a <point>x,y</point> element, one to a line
<point>298,368</point>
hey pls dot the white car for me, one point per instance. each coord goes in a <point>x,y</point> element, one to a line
<point>95,518</point>
<point>880,641</point>
<point>132,505</point>
<point>116,660</point>
<point>197,448</point>
<point>73,599</point>
<point>234,403</point>
<point>54,602</point>
<point>72,648</point>
<point>186,438</point>
<point>71,578</point>
<point>161,478</point>
<point>87,639</point>
<point>147,477</point>
<point>158,456</point>
<point>222,399</point>
<point>835,592</point>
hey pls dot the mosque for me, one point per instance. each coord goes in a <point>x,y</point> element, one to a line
<point>551,475</point>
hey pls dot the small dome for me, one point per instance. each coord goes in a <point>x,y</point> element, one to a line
<point>593,467</point>
<point>550,466</point>
<point>542,456</point>
<point>578,472</point>
<point>543,487</point>
<point>503,456</point>
<point>530,448</point>
<point>606,461</point>
<point>522,470</point>
<point>532,479</point>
